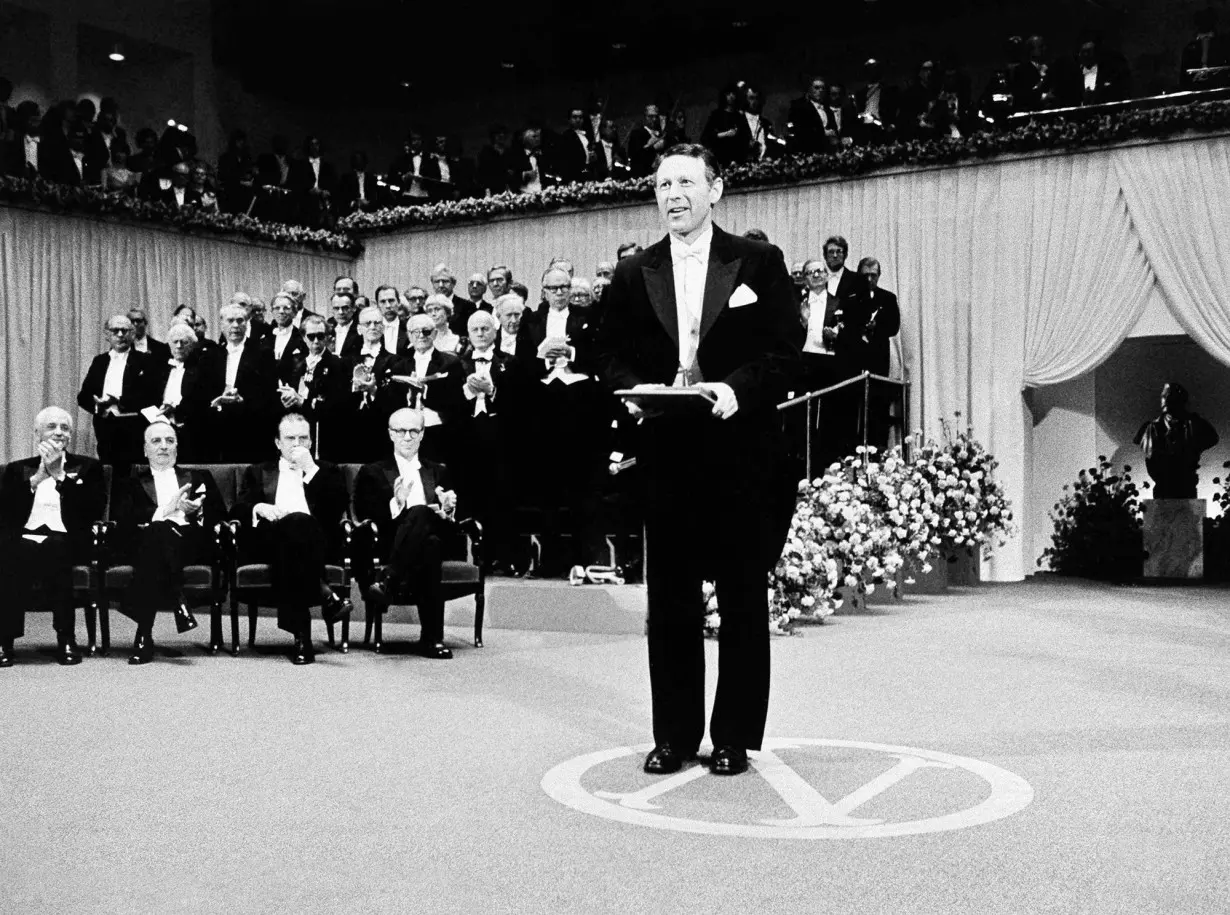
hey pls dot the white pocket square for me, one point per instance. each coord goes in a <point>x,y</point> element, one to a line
<point>742,296</point>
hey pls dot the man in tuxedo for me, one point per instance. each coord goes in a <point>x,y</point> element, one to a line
<point>876,105</point>
<point>882,324</point>
<point>173,382</point>
<point>347,338</point>
<point>845,118</point>
<point>295,288</point>
<point>495,163</point>
<point>116,387</point>
<point>606,159</point>
<point>436,392</point>
<point>645,142</point>
<point>707,309</point>
<point>166,517</point>
<point>237,389</point>
<point>318,386</point>
<point>810,124</point>
<point>572,149</point>
<point>412,502</point>
<point>179,194</point>
<point>142,342</point>
<point>846,312</point>
<point>286,342</point>
<point>444,282</point>
<point>393,330</point>
<point>363,434</point>
<point>481,455</point>
<point>568,402</point>
<point>48,504</point>
<point>476,289</point>
<point>443,171</point>
<point>105,139</point>
<point>531,168</point>
<point>357,189</point>
<point>764,143</point>
<point>292,508</point>
<point>407,170</point>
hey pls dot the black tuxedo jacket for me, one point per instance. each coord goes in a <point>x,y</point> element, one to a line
<point>382,370</point>
<point>462,309</point>
<point>444,396</point>
<point>373,490</point>
<point>294,355</point>
<point>192,198</point>
<point>582,325</point>
<point>519,164</point>
<point>157,377</point>
<point>852,299</point>
<point>807,127</point>
<point>598,170</point>
<point>890,102</point>
<point>327,391</point>
<point>436,187</point>
<point>83,499</point>
<point>269,170</point>
<point>96,147</point>
<point>136,500</point>
<point>348,191</point>
<point>640,158</point>
<point>157,350</point>
<point>525,348</point>
<point>753,348</point>
<point>494,171</point>
<point>883,305</point>
<point>326,494</point>
<point>570,158</point>
<point>301,177</point>
<point>136,391</point>
<point>499,375</point>
<point>256,381</point>
<point>351,344</point>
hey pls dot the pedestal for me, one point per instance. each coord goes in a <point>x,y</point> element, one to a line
<point>1174,538</point>
<point>964,566</point>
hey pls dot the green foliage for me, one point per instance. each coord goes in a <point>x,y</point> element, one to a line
<point>1098,526</point>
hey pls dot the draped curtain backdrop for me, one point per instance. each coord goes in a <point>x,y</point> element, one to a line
<point>1010,274</point>
<point>62,277</point>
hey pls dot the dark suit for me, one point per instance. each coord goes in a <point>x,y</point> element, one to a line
<point>119,437</point>
<point>187,416</point>
<point>494,172</point>
<point>570,158</point>
<point>296,546</point>
<point>161,549</point>
<point>482,458</point>
<point>462,309</point>
<point>362,424</point>
<point>807,126</point>
<point>840,410</point>
<point>57,164</point>
<point>325,391</point>
<point>412,544</point>
<point>443,395</point>
<point>291,362</point>
<point>40,574</point>
<point>598,168</point>
<point>348,193</point>
<point>882,304</point>
<point>718,500</point>
<point>156,350</point>
<point>641,156</point>
<point>96,149</point>
<point>240,431</point>
<point>730,150</point>
<point>352,342</point>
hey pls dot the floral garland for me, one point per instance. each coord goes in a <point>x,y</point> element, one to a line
<point>866,520</point>
<point>89,201</point>
<point>1074,131</point>
<point>1098,526</point>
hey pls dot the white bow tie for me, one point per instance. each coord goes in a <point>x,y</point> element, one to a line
<point>686,253</point>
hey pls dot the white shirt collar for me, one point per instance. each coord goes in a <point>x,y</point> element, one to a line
<point>405,467</point>
<point>283,331</point>
<point>680,249</point>
<point>234,348</point>
<point>120,357</point>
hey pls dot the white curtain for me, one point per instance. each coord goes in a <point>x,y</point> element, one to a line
<point>1179,197</point>
<point>62,277</point>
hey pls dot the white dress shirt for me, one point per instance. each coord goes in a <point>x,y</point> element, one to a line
<point>79,162</point>
<point>508,344</point>
<point>172,392</point>
<point>391,331</point>
<point>482,368</point>
<point>234,352</point>
<point>835,280</point>
<point>340,335</point>
<point>315,163</point>
<point>166,486</point>
<point>416,188</point>
<point>691,267</point>
<point>421,361</point>
<point>179,196</point>
<point>141,345</point>
<point>557,322</point>
<point>1091,77</point>
<point>757,128</point>
<point>281,336</point>
<point>608,151</point>
<point>584,141</point>
<point>360,179</point>
<point>370,349</point>
<point>816,302</point>
<point>290,496</point>
<point>113,383</point>
<point>534,185</point>
<point>445,173</point>
<point>311,362</point>
<point>410,472</point>
<point>871,107</point>
<point>46,508</point>
<point>32,151</point>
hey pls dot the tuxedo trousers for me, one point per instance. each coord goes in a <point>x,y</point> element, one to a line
<point>705,520</point>
<point>163,550</point>
<point>483,480</point>
<point>414,563</point>
<point>295,548</point>
<point>38,576</point>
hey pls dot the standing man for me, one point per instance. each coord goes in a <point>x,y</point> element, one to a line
<point>347,338</point>
<point>883,323</point>
<point>113,390</point>
<point>238,384</point>
<point>142,342</point>
<point>48,504</point>
<point>705,308</point>
<point>318,387</point>
<point>286,342</point>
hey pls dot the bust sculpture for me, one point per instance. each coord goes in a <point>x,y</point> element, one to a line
<point>1173,443</point>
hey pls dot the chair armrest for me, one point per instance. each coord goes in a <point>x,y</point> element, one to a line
<point>474,531</point>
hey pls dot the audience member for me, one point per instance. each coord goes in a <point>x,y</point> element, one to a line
<point>444,282</point>
<point>726,132</point>
<point>236,393</point>
<point>435,388</point>
<point>646,142</point>
<point>114,390</point>
<point>440,309</point>
<point>810,122</point>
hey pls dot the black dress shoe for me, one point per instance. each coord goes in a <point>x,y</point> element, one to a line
<point>333,609</point>
<point>142,649</point>
<point>728,761</point>
<point>184,620</point>
<point>303,653</point>
<point>68,653</point>
<point>434,650</point>
<point>665,759</point>
<point>6,655</point>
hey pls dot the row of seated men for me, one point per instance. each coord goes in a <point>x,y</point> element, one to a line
<point>520,416</point>
<point>291,509</point>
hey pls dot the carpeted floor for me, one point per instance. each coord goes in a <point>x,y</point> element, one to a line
<point>394,784</point>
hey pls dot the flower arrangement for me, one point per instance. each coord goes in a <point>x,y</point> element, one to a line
<point>1098,526</point>
<point>866,519</point>
<point>1217,532</point>
<point>1071,131</point>
<point>90,201</point>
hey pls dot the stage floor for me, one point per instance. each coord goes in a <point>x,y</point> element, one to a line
<point>1048,746</point>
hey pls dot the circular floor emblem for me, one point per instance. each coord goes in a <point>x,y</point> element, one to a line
<point>882,790</point>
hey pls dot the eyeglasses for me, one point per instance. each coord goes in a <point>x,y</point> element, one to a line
<point>419,332</point>
<point>405,433</point>
<point>564,288</point>
<point>371,323</point>
<point>119,330</point>
<point>316,336</point>
<point>816,272</point>
<point>137,320</point>
<point>416,298</point>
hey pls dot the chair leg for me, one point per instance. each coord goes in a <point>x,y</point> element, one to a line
<point>346,626</point>
<point>480,607</point>
<point>104,626</point>
<point>252,624</point>
<point>368,622</point>
<point>378,609</point>
<point>215,626</point>
<point>91,627</point>
<point>234,625</point>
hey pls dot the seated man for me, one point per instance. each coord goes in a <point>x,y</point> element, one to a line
<point>167,515</point>
<point>411,502</point>
<point>47,504</point>
<point>295,507</point>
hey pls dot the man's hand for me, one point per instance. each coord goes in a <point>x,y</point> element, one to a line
<point>830,334</point>
<point>401,491</point>
<point>480,385</point>
<point>448,503</point>
<point>726,404</point>
<point>289,396</point>
<point>367,385</point>
<point>103,404</point>
<point>302,458</point>
<point>266,511</point>
<point>177,501</point>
